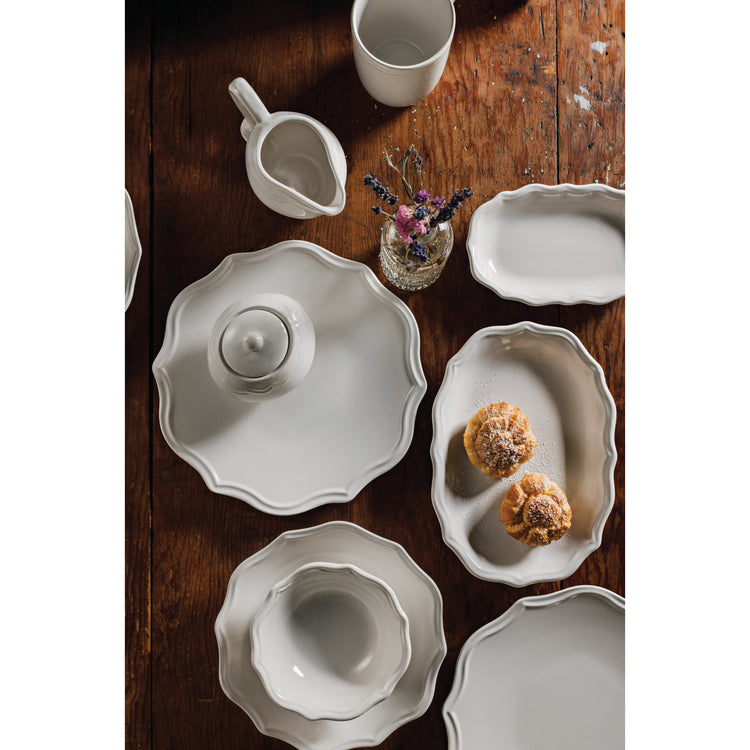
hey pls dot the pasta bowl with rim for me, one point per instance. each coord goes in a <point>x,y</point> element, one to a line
<point>330,641</point>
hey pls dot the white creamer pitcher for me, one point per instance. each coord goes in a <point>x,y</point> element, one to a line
<point>295,164</point>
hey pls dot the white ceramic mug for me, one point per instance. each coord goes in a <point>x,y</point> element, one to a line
<point>401,46</point>
<point>295,164</point>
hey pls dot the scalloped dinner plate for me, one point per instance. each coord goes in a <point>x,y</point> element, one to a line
<point>549,673</point>
<point>350,420</point>
<point>133,250</point>
<point>551,244</point>
<point>548,374</point>
<point>334,542</point>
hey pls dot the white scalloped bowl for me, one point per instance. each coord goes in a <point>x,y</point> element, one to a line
<point>350,419</point>
<point>547,373</point>
<point>330,641</point>
<point>335,542</point>
<point>551,244</point>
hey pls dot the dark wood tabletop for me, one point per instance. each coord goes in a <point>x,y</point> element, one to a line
<point>532,92</point>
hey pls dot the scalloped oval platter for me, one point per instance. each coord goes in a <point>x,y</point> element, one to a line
<point>350,420</point>
<point>547,373</point>
<point>551,244</point>
<point>549,673</point>
<point>334,542</point>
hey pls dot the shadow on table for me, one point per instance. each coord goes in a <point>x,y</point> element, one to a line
<point>340,92</point>
<point>277,13</point>
<point>199,15</point>
<point>478,12</point>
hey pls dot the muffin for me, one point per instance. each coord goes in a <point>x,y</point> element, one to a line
<point>498,440</point>
<point>535,511</point>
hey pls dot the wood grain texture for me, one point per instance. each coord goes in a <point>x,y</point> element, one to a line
<point>504,115</point>
<point>138,404</point>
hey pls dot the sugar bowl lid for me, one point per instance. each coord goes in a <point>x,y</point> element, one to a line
<point>261,347</point>
<point>255,342</point>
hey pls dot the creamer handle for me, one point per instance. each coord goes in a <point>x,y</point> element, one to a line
<point>248,103</point>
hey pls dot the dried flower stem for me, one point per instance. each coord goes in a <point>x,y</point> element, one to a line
<point>408,166</point>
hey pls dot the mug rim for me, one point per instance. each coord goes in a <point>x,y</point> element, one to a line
<point>391,66</point>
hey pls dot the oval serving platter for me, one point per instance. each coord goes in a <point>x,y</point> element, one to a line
<point>549,673</point>
<point>350,420</point>
<point>547,373</point>
<point>551,244</point>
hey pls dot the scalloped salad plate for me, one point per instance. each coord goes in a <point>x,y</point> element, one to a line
<point>549,673</point>
<point>548,374</point>
<point>350,420</point>
<point>551,244</point>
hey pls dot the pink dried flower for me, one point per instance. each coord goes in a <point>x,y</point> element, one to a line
<point>406,224</point>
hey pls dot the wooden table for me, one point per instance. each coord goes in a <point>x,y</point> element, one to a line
<point>526,97</point>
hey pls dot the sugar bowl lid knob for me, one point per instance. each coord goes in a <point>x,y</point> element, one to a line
<point>255,343</point>
<point>261,347</point>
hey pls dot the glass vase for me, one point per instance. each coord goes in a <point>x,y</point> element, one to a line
<point>405,271</point>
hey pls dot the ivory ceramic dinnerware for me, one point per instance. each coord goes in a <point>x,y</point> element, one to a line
<point>335,542</point>
<point>401,46</point>
<point>547,373</point>
<point>330,641</point>
<point>349,420</point>
<point>295,164</point>
<point>132,250</point>
<point>261,347</point>
<point>551,244</point>
<point>549,673</point>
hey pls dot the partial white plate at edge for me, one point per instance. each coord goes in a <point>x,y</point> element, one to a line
<point>133,250</point>
<point>551,244</point>
<point>335,542</point>
<point>548,673</point>
<point>547,373</point>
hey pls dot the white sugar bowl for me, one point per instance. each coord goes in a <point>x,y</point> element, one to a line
<point>330,641</point>
<point>261,347</point>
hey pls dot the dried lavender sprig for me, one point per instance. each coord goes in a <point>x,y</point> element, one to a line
<point>418,251</point>
<point>379,210</point>
<point>448,210</point>
<point>380,190</point>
